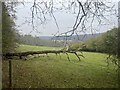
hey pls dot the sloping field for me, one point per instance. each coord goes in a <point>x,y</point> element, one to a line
<point>55,71</point>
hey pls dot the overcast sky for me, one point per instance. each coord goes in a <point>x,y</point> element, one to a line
<point>65,22</point>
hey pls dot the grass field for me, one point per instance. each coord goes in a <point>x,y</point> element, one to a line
<point>23,48</point>
<point>57,72</point>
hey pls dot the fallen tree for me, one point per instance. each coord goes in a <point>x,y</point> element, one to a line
<point>21,55</point>
<point>25,54</point>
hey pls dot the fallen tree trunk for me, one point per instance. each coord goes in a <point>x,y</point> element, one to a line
<point>30,53</point>
<point>21,54</point>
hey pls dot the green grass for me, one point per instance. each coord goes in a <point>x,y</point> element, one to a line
<point>23,48</point>
<point>57,72</point>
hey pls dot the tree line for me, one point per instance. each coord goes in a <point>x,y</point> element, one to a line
<point>105,43</point>
<point>36,41</point>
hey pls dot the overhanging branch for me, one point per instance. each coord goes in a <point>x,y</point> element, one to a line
<point>24,54</point>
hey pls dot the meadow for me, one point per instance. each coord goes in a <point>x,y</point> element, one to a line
<point>55,71</point>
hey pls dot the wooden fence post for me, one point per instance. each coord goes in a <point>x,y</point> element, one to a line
<point>10,74</point>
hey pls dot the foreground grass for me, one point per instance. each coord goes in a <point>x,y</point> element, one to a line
<point>57,72</point>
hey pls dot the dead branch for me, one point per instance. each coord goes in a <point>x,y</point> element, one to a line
<point>67,56</point>
<point>22,55</point>
<point>77,56</point>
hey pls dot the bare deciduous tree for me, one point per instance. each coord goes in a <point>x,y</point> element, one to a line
<point>86,11</point>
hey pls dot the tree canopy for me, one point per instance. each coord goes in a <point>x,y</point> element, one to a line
<point>8,31</point>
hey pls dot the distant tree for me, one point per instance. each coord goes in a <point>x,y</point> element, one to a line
<point>37,41</point>
<point>87,12</point>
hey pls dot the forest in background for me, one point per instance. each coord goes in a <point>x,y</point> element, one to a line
<point>106,42</point>
<point>87,73</point>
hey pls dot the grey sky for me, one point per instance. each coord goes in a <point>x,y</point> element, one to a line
<point>64,20</point>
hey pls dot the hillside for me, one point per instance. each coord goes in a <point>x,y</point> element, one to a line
<point>55,71</point>
<point>52,41</point>
<point>72,38</point>
<point>36,41</point>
